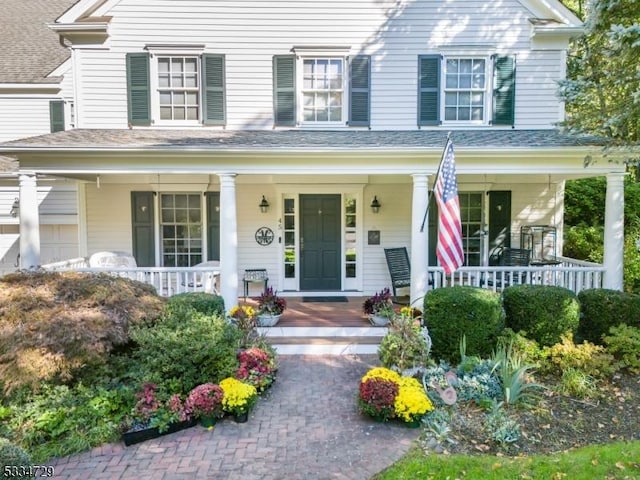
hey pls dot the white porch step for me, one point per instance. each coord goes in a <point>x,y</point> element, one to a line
<point>324,340</point>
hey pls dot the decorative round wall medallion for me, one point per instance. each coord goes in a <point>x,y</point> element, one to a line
<point>264,236</point>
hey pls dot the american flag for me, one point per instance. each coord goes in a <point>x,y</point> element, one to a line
<point>449,250</point>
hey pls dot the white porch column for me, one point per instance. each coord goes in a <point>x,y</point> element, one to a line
<point>614,231</point>
<point>29,221</point>
<point>228,241</point>
<point>419,240</point>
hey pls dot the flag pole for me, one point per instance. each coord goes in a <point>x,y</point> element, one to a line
<point>444,152</point>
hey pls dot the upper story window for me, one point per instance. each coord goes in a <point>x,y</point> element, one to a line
<point>179,88</point>
<point>321,90</point>
<point>176,86</point>
<point>466,90</point>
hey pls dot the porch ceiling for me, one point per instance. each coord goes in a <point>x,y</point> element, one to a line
<point>81,151</point>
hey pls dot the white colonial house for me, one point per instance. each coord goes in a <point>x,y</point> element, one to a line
<point>36,98</point>
<point>303,137</point>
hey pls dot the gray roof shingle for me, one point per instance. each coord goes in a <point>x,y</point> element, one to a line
<point>298,139</point>
<point>30,50</point>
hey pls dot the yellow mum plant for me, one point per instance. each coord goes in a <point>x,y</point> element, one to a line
<point>382,373</point>
<point>239,397</point>
<point>412,402</point>
<point>385,394</point>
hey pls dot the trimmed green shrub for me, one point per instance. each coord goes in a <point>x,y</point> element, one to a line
<point>186,349</point>
<point>205,303</point>
<point>452,312</point>
<point>13,456</point>
<point>544,312</point>
<point>601,309</point>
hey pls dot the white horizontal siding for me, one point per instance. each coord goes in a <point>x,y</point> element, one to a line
<point>23,116</point>
<point>250,33</point>
<point>53,200</point>
<point>109,217</point>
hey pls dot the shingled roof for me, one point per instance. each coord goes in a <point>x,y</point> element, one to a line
<point>30,50</point>
<point>216,140</point>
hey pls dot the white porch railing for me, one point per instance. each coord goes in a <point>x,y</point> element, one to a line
<point>576,275</point>
<point>167,281</point>
<point>569,273</point>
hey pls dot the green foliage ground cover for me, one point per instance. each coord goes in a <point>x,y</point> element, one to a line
<point>132,338</point>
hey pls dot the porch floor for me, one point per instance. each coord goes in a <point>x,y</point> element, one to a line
<point>323,328</point>
<point>321,314</point>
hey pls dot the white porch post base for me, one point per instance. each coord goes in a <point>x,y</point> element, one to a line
<point>228,241</point>
<point>419,240</point>
<point>614,231</point>
<point>29,221</point>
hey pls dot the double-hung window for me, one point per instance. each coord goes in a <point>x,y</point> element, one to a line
<point>466,90</point>
<point>321,89</point>
<point>179,86</point>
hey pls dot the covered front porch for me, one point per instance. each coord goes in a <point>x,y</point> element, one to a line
<point>316,210</point>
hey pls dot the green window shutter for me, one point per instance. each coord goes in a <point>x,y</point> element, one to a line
<point>213,225</point>
<point>429,89</point>
<point>504,93</point>
<point>213,81</point>
<point>360,91</point>
<point>56,115</point>
<point>284,90</point>
<point>499,223</point>
<point>138,91</point>
<point>144,246</point>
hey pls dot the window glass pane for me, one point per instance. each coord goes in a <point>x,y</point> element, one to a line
<point>289,222</point>
<point>290,254</point>
<point>477,113</point>
<point>351,270</point>
<point>192,113</point>
<point>289,205</point>
<point>163,81</point>
<point>322,116</point>
<point>450,114</point>
<point>289,238</point>
<point>289,271</point>
<point>165,113</point>
<point>350,205</point>
<point>191,65</point>
<point>191,81</point>
<point>350,221</point>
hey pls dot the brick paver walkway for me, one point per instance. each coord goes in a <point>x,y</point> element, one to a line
<point>306,427</point>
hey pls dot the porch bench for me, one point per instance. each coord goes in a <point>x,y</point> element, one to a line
<point>258,275</point>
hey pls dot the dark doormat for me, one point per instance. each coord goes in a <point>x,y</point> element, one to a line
<point>324,299</point>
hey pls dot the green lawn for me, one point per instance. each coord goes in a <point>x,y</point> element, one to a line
<point>613,461</point>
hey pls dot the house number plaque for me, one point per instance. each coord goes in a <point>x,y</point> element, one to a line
<point>264,236</point>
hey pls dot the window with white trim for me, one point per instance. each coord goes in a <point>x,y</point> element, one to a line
<point>180,229</point>
<point>179,88</point>
<point>465,89</point>
<point>323,90</point>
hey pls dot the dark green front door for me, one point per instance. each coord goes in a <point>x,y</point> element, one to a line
<point>320,242</point>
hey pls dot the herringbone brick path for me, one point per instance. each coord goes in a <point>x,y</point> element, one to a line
<point>306,427</point>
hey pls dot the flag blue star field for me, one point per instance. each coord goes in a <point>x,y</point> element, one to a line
<point>449,250</point>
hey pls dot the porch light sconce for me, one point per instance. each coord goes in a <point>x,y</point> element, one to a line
<point>375,205</point>
<point>15,208</point>
<point>264,205</point>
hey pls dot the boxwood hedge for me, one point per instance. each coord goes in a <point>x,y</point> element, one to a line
<point>452,312</point>
<point>544,312</point>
